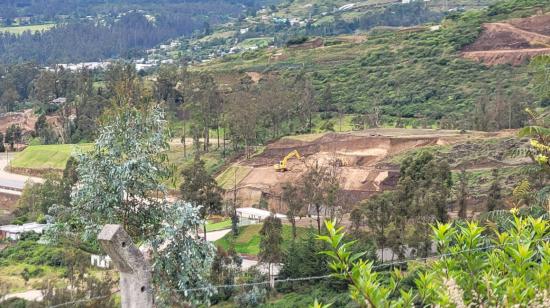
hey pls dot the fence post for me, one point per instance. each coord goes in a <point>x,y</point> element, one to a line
<point>135,272</point>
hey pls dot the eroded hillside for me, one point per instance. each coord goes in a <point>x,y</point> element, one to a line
<point>367,162</point>
<point>512,41</point>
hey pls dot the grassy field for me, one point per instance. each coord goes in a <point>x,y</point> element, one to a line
<point>11,275</point>
<point>226,224</point>
<point>248,240</point>
<point>54,157</point>
<point>46,156</point>
<point>21,29</point>
<point>261,42</point>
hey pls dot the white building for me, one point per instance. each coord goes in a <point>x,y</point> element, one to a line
<point>101,261</point>
<point>255,214</point>
<point>13,232</point>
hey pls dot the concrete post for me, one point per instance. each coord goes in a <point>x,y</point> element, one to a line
<point>135,272</point>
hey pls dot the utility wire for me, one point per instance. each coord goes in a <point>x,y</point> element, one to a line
<point>382,265</point>
<point>399,262</point>
<point>84,300</point>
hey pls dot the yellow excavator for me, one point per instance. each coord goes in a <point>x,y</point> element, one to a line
<point>281,166</point>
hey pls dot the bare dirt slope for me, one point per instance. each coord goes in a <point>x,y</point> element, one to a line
<point>358,155</point>
<point>25,119</point>
<point>511,42</point>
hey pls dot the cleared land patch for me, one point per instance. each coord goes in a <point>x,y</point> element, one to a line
<point>32,28</point>
<point>511,42</point>
<point>44,157</point>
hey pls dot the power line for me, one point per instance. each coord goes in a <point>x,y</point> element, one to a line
<point>382,265</point>
<point>309,278</point>
<point>84,300</point>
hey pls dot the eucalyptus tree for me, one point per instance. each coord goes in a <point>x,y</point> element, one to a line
<point>120,178</point>
<point>120,182</point>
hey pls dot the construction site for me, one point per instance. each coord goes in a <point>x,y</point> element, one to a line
<point>511,42</point>
<point>363,160</point>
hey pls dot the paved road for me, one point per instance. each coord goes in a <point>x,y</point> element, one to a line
<point>32,295</point>
<point>10,180</point>
<point>216,235</point>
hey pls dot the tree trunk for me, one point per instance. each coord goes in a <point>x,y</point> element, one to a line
<point>218,136</point>
<point>318,209</point>
<point>224,142</point>
<point>204,229</point>
<point>184,142</point>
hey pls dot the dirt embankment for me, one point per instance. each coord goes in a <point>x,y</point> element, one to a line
<point>358,157</point>
<point>25,119</point>
<point>511,42</point>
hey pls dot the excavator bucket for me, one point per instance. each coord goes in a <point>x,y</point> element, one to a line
<point>281,166</point>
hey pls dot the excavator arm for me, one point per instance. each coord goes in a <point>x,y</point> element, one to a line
<point>282,165</point>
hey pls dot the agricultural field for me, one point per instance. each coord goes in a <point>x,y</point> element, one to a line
<point>32,28</point>
<point>224,224</point>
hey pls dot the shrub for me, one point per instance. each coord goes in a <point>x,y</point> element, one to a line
<point>473,268</point>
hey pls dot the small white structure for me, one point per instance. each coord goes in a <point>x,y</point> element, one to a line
<point>256,214</point>
<point>346,7</point>
<point>101,261</point>
<point>59,100</point>
<point>243,30</point>
<point>144,67</point>
<point>13,232</point>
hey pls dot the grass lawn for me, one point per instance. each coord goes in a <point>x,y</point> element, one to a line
<point>47,156</point>
<point>226,224</point>
<point>21,29</point>
<point>305,137</point>
<point>10,275</point>
<point>248,240</point>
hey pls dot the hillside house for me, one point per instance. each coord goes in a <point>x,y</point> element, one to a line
<point>100,261</point>
<point>14,232</point>
<point>255,214</point>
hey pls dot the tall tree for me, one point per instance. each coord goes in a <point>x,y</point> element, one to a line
<point>271,239</point>
<point>292,198</point>
<point>327,102</point>
<point>2,147</point>
<point>462,194</point>
<point>494,195</point>
<point>14,135</point>
<point>120,179</point>
<point>200,189</point>
<point>421,198</point>
<point>378,212</point>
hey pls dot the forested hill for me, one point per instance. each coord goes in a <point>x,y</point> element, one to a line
<point>97,29</point>
<point>415,76</point>
<point>51,9</point>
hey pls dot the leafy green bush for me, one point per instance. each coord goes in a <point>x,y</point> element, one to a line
<point>474,267</point>
<point>296,40</point>
<point>31,252</point>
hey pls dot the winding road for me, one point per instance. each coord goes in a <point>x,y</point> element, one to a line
<point>11,183</point>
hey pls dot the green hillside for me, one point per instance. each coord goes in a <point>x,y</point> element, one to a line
<point>417,74</point>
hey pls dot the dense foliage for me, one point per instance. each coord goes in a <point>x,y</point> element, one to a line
<point>474,267</point>
<point>116,29</point>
